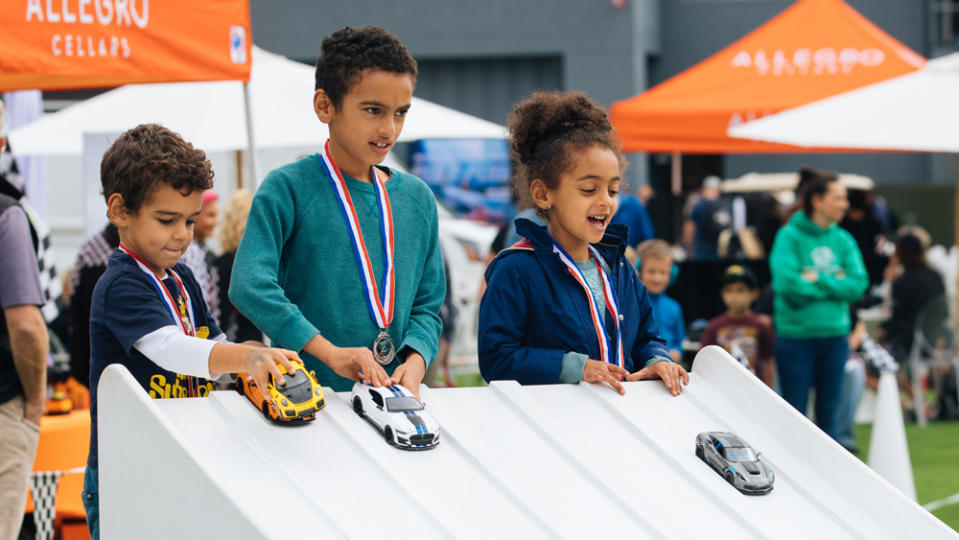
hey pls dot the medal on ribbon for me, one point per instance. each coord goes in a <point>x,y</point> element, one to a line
<point>379,307</point>
<point>609,296</point>
<point>182,312</point>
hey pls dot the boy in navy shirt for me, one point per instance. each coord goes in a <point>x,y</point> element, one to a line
<point>148,312</point>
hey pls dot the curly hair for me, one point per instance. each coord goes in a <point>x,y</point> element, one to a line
<point>347,53</point>
<point>234,219</point>
<point>149,155</point>
<point>545,127</point>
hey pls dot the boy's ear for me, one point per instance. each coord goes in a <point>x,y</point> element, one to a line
<point>117,210</point>
<point>540,194</point>
<point>323,106</point>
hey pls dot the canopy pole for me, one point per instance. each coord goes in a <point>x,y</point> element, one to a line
<point>251,171</point>
<point>677,173</point>
<point>238,158</point>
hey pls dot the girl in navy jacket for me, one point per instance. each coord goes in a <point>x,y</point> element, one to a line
<point>564,304</point>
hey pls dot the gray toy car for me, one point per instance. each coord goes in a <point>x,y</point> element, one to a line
<point>735,461</point>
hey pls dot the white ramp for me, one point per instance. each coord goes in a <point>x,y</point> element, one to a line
<point>557,461</point>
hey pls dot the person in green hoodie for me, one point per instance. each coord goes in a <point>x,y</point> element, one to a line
<point>817,270</point>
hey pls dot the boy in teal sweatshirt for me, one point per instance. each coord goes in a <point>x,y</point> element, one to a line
<point>340,258</point>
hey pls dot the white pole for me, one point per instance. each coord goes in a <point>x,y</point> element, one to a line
<point>251,171</point>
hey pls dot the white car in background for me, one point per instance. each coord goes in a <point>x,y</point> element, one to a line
<point>466,246</point>
<point>401,417</point>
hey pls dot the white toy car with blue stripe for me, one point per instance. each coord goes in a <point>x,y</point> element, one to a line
<point>401,417</point>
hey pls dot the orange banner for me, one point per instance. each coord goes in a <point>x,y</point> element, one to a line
<point>70,44</point>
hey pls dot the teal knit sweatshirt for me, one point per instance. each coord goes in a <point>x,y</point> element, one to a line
<point>806,309</point>
<point>295,274</point>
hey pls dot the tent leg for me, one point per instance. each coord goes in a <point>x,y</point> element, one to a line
<point>677,173</point>
<point>250,143</point>
<point>238,157</point>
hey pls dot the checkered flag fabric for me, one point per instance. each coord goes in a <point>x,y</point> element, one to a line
<point>49,282</point>
<point>44,487</point>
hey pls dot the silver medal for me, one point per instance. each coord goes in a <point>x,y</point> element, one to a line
<point>384,350</point>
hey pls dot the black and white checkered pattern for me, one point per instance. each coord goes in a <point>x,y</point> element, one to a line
<point>46,260</point>
<point>49,281</point>
<point>95,252</point>
<point>44,488</point>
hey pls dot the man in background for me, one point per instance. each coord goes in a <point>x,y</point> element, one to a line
<point>23,354</point>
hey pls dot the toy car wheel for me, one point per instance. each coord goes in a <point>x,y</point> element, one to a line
<point>266,411</point>
<point>699,452</point>
<point>388,434</point>
<point>729,478</point>
<point>239,386</point>
<point>357,405</point>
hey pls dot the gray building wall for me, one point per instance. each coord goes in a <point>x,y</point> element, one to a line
<point>599,50</point>
<point>481,56</point>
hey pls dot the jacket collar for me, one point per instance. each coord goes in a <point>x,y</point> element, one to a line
<point>611,246</point>
<point>807,225</point>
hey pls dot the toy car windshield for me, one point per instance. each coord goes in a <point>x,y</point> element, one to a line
<point>739,454</point>
<point>297,387</point>
<point>400,404</point>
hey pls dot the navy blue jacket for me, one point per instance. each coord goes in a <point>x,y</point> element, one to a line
<point>533,311</point>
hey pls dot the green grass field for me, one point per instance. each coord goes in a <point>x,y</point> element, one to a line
<point>934,452</point>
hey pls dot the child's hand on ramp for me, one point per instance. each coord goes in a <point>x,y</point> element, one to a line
<point>597,371</point>
<point>672,374</point>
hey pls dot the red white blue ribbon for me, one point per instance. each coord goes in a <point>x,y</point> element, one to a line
<point>164,293</point>
<point>380,308</point>
<point>189,328</point>
<point>609,295</point>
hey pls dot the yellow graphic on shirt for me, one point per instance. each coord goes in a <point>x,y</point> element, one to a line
<point>203,332</point>
<point>162,388</point>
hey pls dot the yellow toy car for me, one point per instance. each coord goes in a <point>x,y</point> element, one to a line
<point>295,402</point>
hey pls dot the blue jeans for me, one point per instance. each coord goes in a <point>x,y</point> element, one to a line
<point>853,383</point>
<point>821,362</point>
<point>91,501</point>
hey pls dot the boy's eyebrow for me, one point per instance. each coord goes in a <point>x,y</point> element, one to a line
<point>381,104</point>
<point>597,177</point>
<point>172,213</point>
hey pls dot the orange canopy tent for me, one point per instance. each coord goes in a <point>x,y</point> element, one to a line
<point>76,44</point>
<point>69,44</point>
<point>812,50</point>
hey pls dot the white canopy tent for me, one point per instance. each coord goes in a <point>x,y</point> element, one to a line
<point>211,114</point>
<point>918,112</point>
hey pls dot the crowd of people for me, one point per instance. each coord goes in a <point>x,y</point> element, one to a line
<point>337,260</point>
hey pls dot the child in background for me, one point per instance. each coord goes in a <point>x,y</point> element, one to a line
<point>148,311</point>
<point>564,305</point>
<point>234,324</point>
<point>320,268</point>
<point>655,261</point>
<point>745,335</point>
